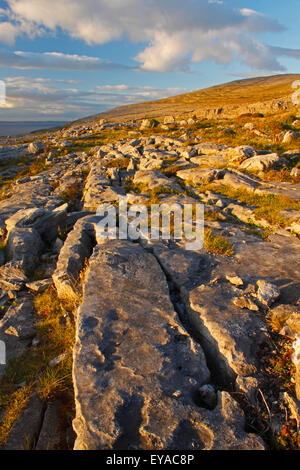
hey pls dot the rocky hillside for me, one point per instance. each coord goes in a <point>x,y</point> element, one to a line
<point>143,344</point>
<point>266,95</point>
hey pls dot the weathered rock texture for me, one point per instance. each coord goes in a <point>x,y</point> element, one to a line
<point>17,329</point>
<point>73,255</point>
<point>136,370</point>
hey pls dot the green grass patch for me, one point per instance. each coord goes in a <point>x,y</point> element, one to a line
<point>268,206</point>
<point>217,244</point>
<point>119,163</point>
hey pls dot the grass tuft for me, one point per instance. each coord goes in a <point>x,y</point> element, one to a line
<point>56,333</point>
<point>268,206</point>
<point>217,244</point>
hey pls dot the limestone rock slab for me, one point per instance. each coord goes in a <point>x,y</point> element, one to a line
<point>136,370</point>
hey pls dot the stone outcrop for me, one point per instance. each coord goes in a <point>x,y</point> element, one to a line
<point>17,329</point>
<point>45,222</point>
<point>136,370</point>
<point>24,247</point>
<point>13,152</point>
<point>263,162</point>
<point>200,175</point>
<point>154,179</point>
<point>75,252</point>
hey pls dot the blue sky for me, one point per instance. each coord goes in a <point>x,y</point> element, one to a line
<point>65,59</point>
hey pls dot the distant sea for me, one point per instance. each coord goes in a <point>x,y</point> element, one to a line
<point>25,127</point>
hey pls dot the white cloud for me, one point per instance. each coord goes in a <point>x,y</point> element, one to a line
<point>124,94</point>
<point>54,60</point>
<point>177,33</point>
<point>12,26</point>
<point>113,87</point>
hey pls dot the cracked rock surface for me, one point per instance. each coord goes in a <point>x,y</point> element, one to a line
<point>136,371</point>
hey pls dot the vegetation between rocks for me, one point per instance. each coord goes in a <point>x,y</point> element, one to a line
<point>31,373</point>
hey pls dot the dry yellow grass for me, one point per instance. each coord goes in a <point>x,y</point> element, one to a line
<point>236,93</point>
<point>56,334</point>
<point>239,92</point>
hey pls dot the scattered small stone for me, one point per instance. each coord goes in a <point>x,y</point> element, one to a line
<point>245,302</point>
<point>267,293</point>
<point>290,136</point>
<point>57,360</point>
<point>35,147</point>
<point>220,203</point>
<point>235,280</point>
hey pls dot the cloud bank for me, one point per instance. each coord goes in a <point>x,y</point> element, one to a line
<point>176,33</point>
<point>48,98</point>
<point>54,60</point>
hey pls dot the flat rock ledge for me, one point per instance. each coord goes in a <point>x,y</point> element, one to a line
<point>136,371</point>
